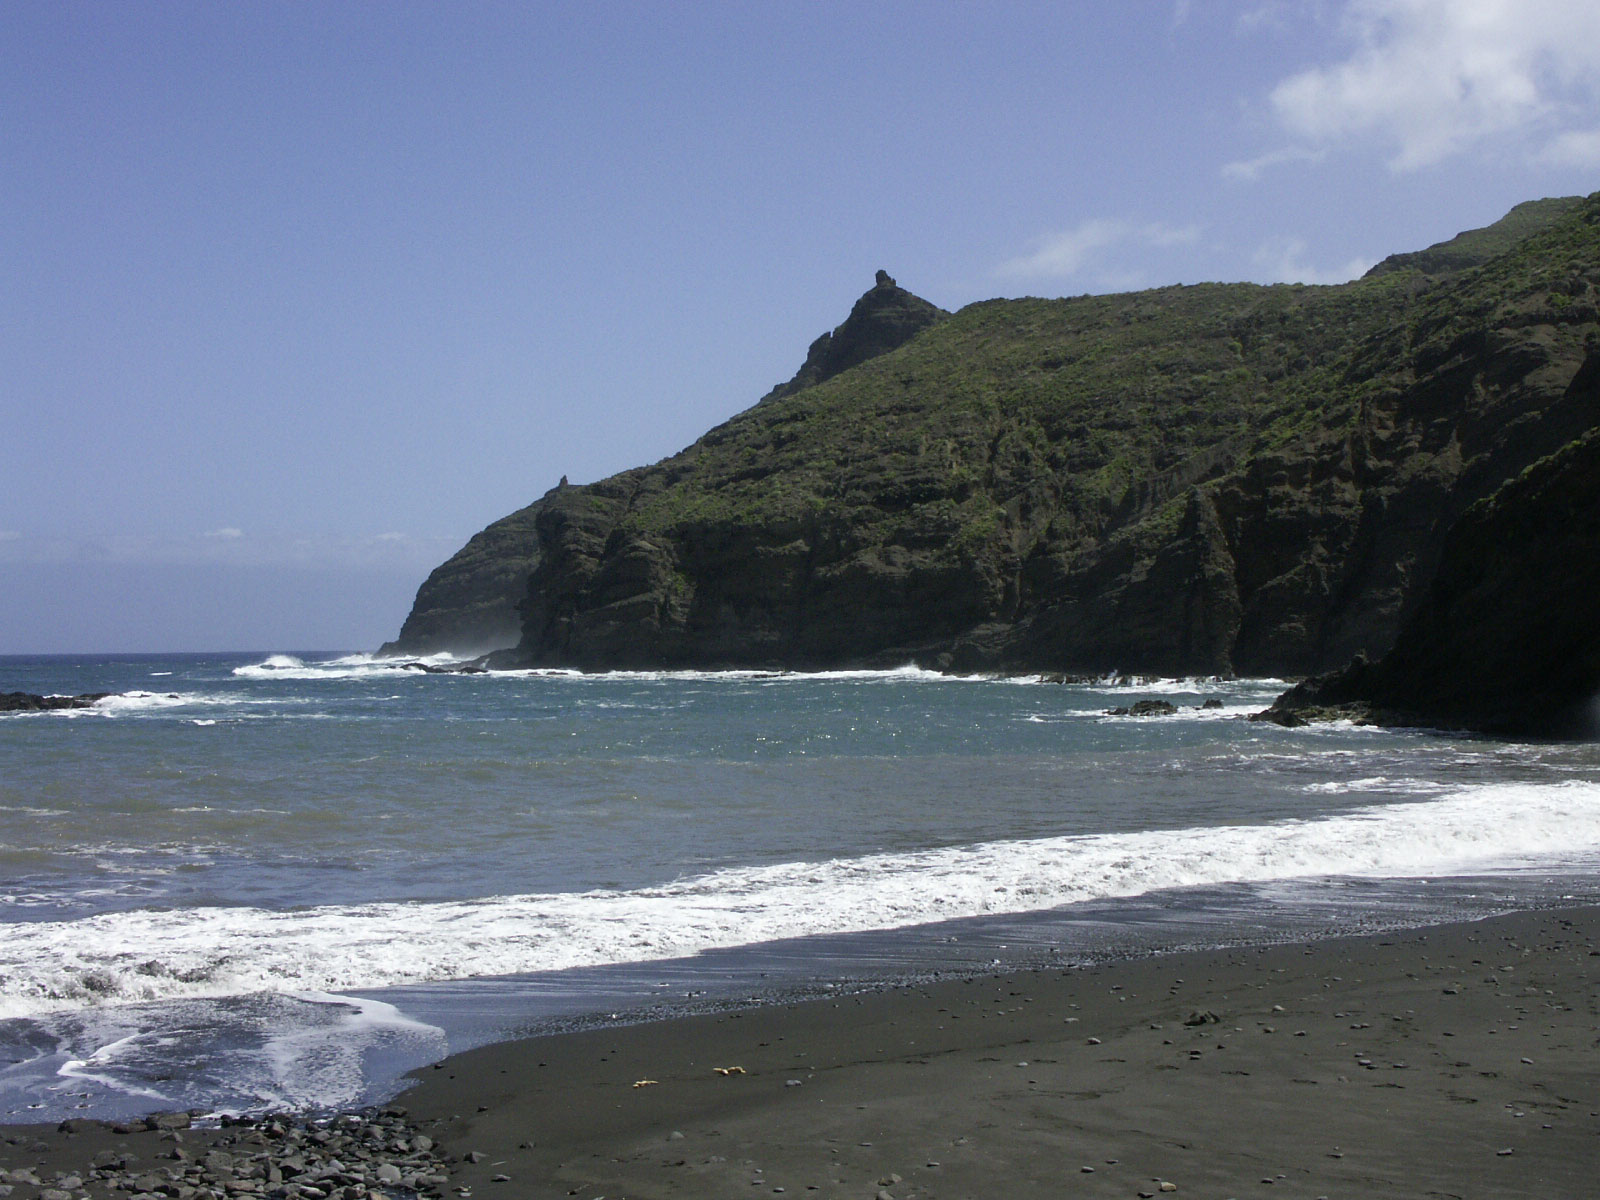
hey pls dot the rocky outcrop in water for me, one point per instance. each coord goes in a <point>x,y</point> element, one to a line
<point>30,702</point>
<point>1191,480</point>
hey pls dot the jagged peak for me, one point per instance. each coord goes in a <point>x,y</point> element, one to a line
<point>883,319</point>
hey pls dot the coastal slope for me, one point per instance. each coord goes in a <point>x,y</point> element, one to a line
<point>1190,480</point>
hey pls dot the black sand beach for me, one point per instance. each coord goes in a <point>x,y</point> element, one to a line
<point>1461,1060</point>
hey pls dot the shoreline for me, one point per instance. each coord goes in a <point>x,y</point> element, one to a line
<point>1453,1059</point>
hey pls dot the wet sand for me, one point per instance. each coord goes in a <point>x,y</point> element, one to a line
<point>1461,1060</point>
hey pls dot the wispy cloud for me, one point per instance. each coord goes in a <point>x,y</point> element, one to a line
<point>1428,79</point>
<point>1281,259</point>
<point>1250,169</point>
<point>1071,252</point>
<point>227,533</point>
<point>1575,148</point>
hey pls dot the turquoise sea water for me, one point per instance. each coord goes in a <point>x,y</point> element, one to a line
<point>251,880</point>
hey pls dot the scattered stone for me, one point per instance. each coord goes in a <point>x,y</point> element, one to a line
<point>280,1156</point>
<point>1202,1018</point>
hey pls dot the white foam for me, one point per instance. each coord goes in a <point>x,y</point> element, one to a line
<point>121,957</point>
<point>130,703</point>
<point>1376,783</point>
<point>295,1050</point>
<point>348,666</point>
<point>905,674</point>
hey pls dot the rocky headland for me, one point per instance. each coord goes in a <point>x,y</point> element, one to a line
<point>1210,479</point>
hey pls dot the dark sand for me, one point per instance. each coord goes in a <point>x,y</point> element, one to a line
<point>1462,1061</point>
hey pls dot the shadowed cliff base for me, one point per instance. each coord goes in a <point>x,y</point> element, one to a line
<point>1507,640</point>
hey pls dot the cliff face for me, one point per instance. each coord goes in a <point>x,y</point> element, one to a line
<point>471,603</point>
<point>468,605</point>
<point>1507,638</point>
<point>1189,480</point>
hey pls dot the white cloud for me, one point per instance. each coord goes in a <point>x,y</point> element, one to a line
<point>392,537</point>
<point>228,533</point>
<point>1433,78</point>
<point>1060,255</point>
<point>1250,169</point>
<point>1281,260</point>
<point>1575,148</point>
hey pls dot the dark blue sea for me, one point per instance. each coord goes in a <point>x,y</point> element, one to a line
<point>263,880</point>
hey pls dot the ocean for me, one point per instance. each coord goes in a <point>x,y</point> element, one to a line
<point>252,881</point>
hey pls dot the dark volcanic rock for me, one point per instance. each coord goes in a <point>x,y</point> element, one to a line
<point>29,702</point>
<point>1199,480</point>
<point>468,604</point>
<point>370,1154</point>
<point>1143,708</point>
<point>1507,639</point>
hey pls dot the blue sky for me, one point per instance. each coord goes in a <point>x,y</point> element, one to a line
<point>300,296</point>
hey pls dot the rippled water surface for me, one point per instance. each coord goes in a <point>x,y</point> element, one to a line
<point>268,836</point>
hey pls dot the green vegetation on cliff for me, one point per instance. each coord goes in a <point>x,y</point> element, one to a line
<point>1192,479</point>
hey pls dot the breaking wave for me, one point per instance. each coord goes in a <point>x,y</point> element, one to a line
<point>122,957</point>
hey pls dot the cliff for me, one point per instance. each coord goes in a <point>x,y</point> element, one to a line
<point>1200,479</point>
<point>468,603</point>
<point>1507,639</point>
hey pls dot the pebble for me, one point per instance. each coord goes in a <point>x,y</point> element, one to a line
<point>353,1155</point>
